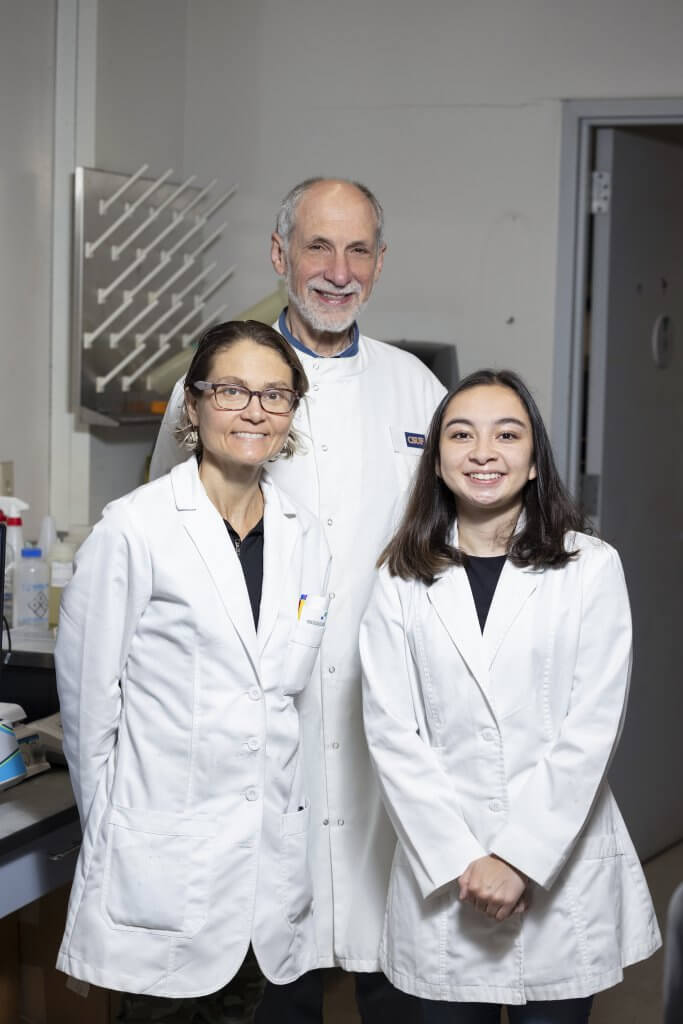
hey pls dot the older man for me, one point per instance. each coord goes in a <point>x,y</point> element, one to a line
<point>364,423</point>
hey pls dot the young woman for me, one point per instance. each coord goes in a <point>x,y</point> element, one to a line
<point>496,652</point>
<point>192,622</point>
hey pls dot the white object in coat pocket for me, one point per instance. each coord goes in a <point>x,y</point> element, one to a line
<point>158,870</point>
<point>312,619</point>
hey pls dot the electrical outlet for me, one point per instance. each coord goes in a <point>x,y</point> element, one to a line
<point>6,478</point>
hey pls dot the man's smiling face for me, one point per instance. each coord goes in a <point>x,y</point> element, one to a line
<point>331,260</point>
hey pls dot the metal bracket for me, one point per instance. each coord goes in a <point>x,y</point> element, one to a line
<point>601,191</point>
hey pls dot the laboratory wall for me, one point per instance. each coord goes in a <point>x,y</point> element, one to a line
<point>27,73</point>
<point>451,111</point>
<point>139,118</point>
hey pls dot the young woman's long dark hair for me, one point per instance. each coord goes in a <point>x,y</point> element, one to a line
<point>420,548</point>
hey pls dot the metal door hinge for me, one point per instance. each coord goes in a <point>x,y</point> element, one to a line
<point>601,190</point>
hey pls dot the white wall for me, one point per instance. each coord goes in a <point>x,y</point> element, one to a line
<point>451,112</point>
<point>139,118</point>
<point>27,41</point>
<point>449,109</point>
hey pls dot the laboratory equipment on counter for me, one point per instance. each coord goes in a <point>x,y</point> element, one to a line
<point>31,592</point>
<point>12,767</point>
<point>48,535</point>
<point>3,582</point>
<point>60,570</point>
<point>12,508</point>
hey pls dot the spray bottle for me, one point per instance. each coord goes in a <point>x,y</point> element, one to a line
<point>12,507</point>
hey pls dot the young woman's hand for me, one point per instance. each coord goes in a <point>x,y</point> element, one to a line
<point>494,887</point>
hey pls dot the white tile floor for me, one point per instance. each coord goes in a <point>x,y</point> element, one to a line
<point>637,1000</point>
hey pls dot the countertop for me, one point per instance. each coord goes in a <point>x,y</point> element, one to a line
<point>34,808</point>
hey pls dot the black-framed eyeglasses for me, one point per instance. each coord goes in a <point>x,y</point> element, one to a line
<point>234,397</point>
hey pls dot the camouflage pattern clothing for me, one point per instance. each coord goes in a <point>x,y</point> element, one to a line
<point>233,1004</point>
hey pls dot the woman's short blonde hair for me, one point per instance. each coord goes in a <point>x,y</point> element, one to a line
<point>216,339</point>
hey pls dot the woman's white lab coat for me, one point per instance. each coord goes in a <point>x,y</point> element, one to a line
<point>500,743</point>
<point>182,739</point>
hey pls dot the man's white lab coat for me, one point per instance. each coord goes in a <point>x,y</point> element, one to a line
<point>362,423</point>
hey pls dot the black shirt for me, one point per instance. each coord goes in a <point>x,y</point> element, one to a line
<point>483,574</point>
<point>250,553</point>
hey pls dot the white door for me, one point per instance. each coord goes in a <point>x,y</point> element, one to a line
<point>634,456</point>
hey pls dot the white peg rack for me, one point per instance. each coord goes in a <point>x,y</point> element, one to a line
<point>145,284</point>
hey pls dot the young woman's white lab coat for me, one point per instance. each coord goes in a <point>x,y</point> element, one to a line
<point>500,743</point>
<point>182,739</point>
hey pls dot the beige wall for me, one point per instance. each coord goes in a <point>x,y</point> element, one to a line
<point>26,111</point>
<point>450,109</point>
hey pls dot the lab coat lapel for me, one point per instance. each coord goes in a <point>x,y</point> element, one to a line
<point>515,587</point>
<point>280,534</point>
<point>451,598</point>
<point>208,533</point>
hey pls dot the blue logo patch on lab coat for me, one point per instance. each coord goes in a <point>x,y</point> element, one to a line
<point>415,440</point>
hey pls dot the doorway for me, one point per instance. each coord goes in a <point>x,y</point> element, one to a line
<point>618,411</point>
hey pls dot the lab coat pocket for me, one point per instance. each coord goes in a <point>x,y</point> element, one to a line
<point>312,618</point>
<point>407,445</point>
<point>591,890</point>
<point>407,442</point>
<point>157,871</point>
<point>296,876</point>
<point>304,642</point>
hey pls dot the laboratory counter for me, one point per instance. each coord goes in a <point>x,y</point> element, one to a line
<point>40,836</point>
<point>39,828</point>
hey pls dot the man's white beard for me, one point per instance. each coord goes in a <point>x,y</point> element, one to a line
<point>320,319</point>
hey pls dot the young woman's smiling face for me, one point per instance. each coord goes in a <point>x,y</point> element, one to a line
<point>486,449</point>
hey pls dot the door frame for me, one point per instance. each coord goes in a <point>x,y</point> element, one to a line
<point>579,120</point>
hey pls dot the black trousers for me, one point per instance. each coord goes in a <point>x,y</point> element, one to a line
<point>559,1011</point>
<point>301,1002</point>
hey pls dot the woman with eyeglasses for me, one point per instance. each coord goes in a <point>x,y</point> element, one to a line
<point>496,653</point>
<point>192,622</point>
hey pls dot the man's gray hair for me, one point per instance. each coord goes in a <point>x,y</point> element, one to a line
<point>287,212</point>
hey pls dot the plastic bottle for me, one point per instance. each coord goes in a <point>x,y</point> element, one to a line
<point>12,507</point>
<point>60,562</point>
<point>31,592</point>
<point>48,535</point>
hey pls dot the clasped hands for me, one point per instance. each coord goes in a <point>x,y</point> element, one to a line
<point>494,887</point>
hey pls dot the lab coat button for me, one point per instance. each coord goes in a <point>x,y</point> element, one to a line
<point>340,821</point>
<point>335,745</point>
<point>253,743</point>
<point>324,447</point>
<point>488,735</point>
<point>251,794</point>
<point>255,693</point>
<point>332,594</point>
<point>326,821</point>
<point>331,669</point>
<point>316,387</point>
<point>330,522</point>
<point>495,806</point>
